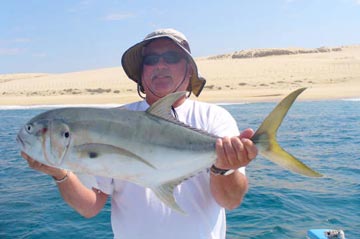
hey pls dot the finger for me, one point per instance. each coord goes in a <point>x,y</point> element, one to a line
<point>231,153</point>
<point>25,156</point>
<point>32,163</point>
<point>238,148</point>
<point>247,133</point>
<point>243,156</point>
<point>220,149</point>
<point>250,147</point>
<point>221,161</point>
<point>36,165</point>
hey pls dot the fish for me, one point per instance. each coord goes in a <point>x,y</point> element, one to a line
<point>135,145</point>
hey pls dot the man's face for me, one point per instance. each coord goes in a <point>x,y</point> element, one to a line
<point>165,74</point>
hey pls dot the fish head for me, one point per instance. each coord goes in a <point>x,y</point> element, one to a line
<point>45,140</point>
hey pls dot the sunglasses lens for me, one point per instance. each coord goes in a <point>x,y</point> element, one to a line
<point>151,60</point>
<point>170,57</point>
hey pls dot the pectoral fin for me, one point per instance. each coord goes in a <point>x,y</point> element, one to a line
<point>97,150</point>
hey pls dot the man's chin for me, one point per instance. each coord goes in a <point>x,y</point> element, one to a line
<point>163,91</point>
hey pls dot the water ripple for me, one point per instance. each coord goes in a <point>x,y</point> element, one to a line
<point>279,204</point>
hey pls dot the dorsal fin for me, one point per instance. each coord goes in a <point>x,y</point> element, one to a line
<point>162,107</point>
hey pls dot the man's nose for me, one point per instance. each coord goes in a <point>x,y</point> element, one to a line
<point>162,62</point>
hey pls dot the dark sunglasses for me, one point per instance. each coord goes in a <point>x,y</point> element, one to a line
<point>170,57</point>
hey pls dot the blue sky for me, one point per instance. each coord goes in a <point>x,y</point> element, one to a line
<point>65,36</point>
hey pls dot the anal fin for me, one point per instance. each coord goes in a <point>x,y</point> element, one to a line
<point>165,193</point>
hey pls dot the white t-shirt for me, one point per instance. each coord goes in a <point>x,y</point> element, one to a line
<point>137,213</point>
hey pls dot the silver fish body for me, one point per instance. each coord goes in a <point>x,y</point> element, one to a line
<point>150,148</point>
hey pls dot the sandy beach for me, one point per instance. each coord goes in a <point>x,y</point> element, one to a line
<point>245,76</point>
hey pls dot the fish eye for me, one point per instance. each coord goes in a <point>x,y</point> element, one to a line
<point>29,128</point>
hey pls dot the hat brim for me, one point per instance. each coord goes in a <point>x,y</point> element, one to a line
<point>132,63</point>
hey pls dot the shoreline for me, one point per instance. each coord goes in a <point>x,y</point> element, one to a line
<point>327,93</point>
<point>111,105</point>
<point>330,75</point>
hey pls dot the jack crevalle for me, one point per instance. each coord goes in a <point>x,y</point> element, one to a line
<point>132,145</point>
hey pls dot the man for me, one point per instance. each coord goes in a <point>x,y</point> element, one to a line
<point>162,64</point>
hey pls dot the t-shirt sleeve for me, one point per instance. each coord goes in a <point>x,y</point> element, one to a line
<point>224,125</point>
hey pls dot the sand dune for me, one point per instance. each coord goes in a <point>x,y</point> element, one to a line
<point>243,76</point>
<point>253,53</point>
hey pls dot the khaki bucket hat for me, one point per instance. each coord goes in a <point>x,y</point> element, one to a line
<point>132,58</point>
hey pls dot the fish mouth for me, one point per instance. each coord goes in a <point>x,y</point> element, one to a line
<point>20,141</point>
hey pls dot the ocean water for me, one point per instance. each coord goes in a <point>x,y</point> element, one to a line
<point>325,135</point>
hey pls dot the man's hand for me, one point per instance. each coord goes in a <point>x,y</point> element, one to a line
<point>55,172</point>
<point>235,152</point>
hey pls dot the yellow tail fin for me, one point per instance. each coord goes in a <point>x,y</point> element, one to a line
<point>265,138</point>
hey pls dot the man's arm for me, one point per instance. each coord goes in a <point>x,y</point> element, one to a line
<point>232,153</point>
<point>85,201</point>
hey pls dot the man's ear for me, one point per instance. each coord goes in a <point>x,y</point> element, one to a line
<point>190,70</point>
<point>190,73</point>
